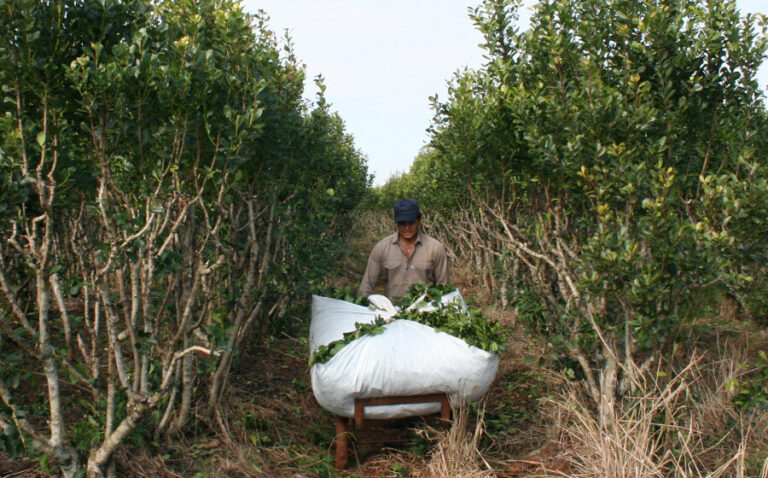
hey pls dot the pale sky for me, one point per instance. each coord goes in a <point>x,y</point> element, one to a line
<point>383,59</point>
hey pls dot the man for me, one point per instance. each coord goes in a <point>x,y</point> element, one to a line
<point>406,257</point>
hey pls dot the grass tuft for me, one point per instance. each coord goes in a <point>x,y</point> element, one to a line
<point>455,452</point>
<point>683,425</point>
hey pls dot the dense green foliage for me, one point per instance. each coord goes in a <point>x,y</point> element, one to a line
<point>428,182</point>
<point>160,205</point>
<point>606,168</point>
<point>752,392</point>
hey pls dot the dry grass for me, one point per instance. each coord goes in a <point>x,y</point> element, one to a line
<point>19,467</point>
<point>681,426</point>
<point>456,450</point>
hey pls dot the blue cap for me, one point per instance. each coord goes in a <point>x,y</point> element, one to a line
<point>407,210</point>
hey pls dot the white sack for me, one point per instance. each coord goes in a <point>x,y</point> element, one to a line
<point>408,358</point>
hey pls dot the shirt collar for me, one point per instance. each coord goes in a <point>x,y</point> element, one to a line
<point>396,237</point>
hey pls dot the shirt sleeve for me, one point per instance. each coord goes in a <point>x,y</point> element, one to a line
<point>442,275</point>
<point>372,272</point>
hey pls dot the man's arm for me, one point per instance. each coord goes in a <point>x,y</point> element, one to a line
<point>442,276</point>
<point>371,275</point>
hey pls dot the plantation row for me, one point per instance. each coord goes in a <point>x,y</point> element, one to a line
<point>606,171</point>
<point>160,208</point>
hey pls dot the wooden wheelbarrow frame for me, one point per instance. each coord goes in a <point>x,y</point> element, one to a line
<point>342,423</point>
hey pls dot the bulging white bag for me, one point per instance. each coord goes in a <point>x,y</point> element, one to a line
<point>408,358</point>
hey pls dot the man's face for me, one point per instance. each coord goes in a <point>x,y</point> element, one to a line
<point>408,230</point>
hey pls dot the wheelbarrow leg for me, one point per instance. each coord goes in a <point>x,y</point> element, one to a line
<point>445,411</point>
<point>342,449</point>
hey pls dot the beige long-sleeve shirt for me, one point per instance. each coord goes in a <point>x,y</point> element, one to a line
<point>428,264</point>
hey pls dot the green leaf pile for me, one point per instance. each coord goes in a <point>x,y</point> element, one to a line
<point>324,352</point>
<point>470,326</point>
<point>433,294</point>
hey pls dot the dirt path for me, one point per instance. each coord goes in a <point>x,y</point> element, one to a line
<point>299,433</point>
